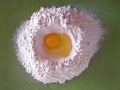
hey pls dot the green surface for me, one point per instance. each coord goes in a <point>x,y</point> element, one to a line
<point>104,69</point>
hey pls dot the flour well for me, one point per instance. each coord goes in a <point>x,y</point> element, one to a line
<point>84,31</point>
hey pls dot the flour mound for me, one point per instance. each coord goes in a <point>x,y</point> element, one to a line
<point>84,31</point>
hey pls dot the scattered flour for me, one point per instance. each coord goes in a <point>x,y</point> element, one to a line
<point>85,33</point>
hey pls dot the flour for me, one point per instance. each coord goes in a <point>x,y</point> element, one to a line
<point>84,31</point>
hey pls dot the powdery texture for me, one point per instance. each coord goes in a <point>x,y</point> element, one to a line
<point>85,33</point>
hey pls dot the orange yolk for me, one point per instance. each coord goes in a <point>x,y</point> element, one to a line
<point>51,41</point>
<point>57,44</point>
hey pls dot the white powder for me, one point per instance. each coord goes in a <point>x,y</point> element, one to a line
<point>85,33</point>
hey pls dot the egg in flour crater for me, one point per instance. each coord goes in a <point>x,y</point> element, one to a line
<point>57,43</point>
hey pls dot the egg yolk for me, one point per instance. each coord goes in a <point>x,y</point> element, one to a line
<point>58,44</point>
<point>52,41</point>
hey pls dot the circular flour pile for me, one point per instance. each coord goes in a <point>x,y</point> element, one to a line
<point>84,31</point>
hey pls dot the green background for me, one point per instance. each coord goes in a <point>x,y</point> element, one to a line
<point>104,69</point>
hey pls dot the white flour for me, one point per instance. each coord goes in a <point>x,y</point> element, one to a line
<point>85,33</point>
